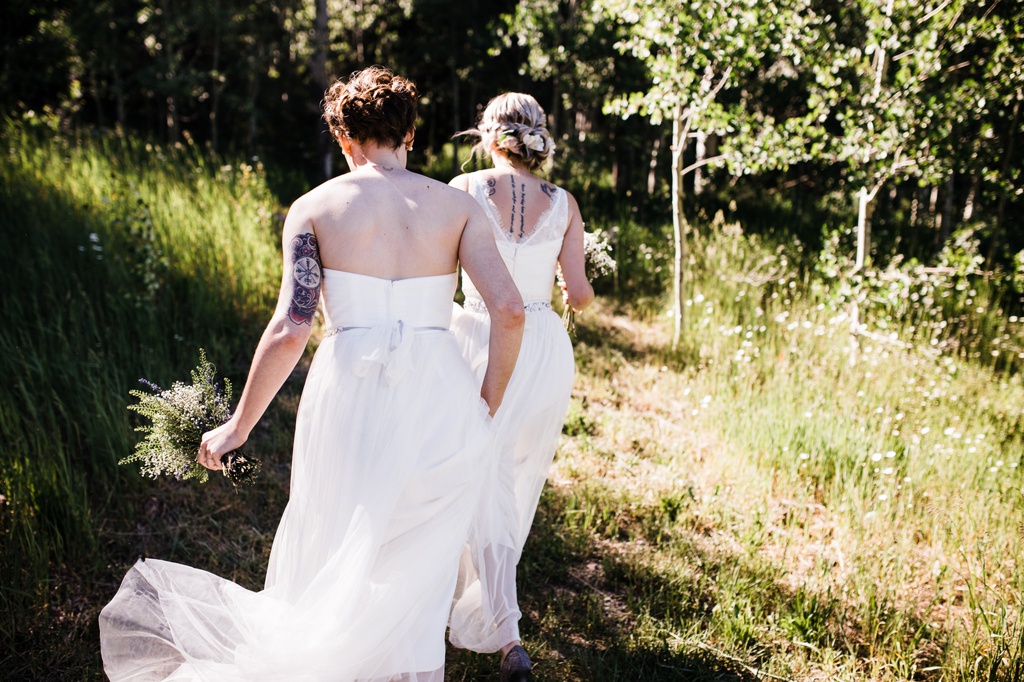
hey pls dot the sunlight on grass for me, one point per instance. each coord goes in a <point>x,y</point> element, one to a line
<point>823,483</point>
<point>788,498</point>
<point>122,259</point>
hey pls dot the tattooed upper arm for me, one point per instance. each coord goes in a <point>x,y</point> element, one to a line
<point>306,276</point>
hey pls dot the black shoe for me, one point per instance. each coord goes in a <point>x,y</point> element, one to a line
<point>516,667</point>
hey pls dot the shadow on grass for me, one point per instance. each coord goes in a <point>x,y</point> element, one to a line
<point>599,608</point>
<point>616,332</point>
<point>581,603</point>
<point>208,526</point>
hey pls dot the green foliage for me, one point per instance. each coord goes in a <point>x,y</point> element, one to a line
<point>889,398</point>
<point>643,261</point>
<point>879,84</point>
<point>819,99</point>
<point>954,309</point>
<point>693,51</point>
<point>576,421</point>
<point>123,258</point>
<point>781,497</point>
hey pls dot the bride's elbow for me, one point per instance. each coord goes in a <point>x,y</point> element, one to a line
<point>288,335</point>
<point>579,300</point>
<point>509,313</point>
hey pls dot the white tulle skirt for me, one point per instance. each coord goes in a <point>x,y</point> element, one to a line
<point>386,474</point>
<point>485,614</point>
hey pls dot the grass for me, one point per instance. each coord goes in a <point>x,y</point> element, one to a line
<point>122,259</point>
<point>781,498</point>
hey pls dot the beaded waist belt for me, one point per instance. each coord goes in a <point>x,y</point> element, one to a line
<point>477,306</point>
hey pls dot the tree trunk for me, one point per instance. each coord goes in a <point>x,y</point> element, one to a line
<point>119,100</point>
<point>215,84</point>
<point>556,111</point>
<point>321,39</point>
<point>972,192</point>
<point>94,90</point>
<point>936,219</point>
<point>701,148</point>
<point>680,130</point>
<point>453,51</point>
<point>360,42</point>
<point>864,197</point>
<point>171,119</point>
<point>946,217</point>
<point>1000,230</point>
<point>915,211</point>
<point>652,176</point>
<point>431,135</point>
<point>615,159</point>
<point>254,89</point>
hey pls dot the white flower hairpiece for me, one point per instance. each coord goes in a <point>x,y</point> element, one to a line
<point>535,142</point>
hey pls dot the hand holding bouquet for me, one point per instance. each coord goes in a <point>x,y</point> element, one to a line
<point>179,416</point>
<point>598,262</point>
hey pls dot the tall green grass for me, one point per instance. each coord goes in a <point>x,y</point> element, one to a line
<point>121,259</point>
<point>877,420</point>
<point>824,482</point>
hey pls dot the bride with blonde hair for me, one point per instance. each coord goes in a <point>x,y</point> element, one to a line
<point>538,228</point>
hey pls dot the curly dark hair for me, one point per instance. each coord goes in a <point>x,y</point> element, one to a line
<point>374,105</point>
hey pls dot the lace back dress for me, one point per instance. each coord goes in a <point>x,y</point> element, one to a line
<point>485,614</point>
<point>390,440</point>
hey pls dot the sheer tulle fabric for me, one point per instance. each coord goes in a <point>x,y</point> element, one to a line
<point>527,427</point>
<point>389,448</point>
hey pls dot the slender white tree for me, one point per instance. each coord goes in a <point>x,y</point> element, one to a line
<point>694,53</point>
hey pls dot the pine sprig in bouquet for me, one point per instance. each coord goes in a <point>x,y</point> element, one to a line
<point>179,416</point>
<point>598,262</point>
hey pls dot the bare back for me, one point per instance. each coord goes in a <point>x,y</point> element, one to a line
<point>518,204</point>
<point>388,224</point>
<point>520,211</point>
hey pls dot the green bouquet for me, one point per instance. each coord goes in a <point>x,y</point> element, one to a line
<point>179,416</point>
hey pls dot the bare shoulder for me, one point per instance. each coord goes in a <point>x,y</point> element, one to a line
<point>460,182</point>
<point>573,206</point>
<point>481,177</point>
<point>330,198</point>
<point>303,209</point>
<point>341,186</point>
<point>455,194</point>
<point>432,184</point>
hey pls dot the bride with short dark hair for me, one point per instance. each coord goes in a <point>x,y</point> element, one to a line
<point>390,439</point>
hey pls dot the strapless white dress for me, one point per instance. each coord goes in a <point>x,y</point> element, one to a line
<point>528,425</point>
<point>390,442</point>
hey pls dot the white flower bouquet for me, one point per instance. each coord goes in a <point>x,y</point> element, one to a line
<point>179,416</point>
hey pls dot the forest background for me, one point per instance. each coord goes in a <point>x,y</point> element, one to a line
<point>795,444</point>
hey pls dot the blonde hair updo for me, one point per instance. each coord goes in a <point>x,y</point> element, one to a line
<point>515,125</point>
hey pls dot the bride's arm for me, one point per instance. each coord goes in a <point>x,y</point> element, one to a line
<point>283,341</point>
<point>578,290</point>
<point>482,262</point>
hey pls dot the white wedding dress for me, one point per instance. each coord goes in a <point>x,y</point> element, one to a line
<point>390,441</point>
<point>485,614</point>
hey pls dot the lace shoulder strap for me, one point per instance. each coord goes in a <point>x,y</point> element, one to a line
<point>555,221</point>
